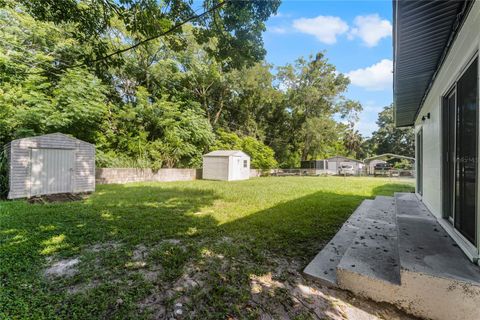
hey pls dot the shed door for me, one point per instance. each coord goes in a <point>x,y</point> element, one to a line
<point>51,171</point>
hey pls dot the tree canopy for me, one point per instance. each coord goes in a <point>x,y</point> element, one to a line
<point>164,103</point>
<point>390,139</point>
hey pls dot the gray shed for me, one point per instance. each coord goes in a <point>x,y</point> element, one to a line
<point>49,164</point>
<point>226,165</point>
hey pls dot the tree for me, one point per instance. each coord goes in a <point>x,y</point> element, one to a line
<point>164,102</point>
<point>390,139</point>
<point>313,90</point>
<point>262,157</point>
<point>353,142</point>
<point>238,25</point>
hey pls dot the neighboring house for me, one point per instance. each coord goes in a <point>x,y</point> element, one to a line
<point>334,164</point>
<point>226,165</point>
<point>317,167</point>
<point>420,251</point>
<point>50,164</point>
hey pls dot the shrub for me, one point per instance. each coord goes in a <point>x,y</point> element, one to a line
<point>3,174</point>
<point>262,156</point>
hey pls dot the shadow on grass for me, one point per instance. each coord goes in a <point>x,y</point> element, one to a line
<point>130,215</point>
<point>146,215</point>
<point>297,228</point>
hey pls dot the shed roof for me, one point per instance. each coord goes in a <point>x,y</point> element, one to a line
<point>423,32</point>
<point>226,153</point>
<point>59,134</point>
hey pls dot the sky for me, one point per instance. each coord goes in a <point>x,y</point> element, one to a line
<point>356,37</point>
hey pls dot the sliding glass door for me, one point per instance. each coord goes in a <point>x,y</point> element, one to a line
<point>460,140</point>
<point>449,130</point>
<point>419,161</point>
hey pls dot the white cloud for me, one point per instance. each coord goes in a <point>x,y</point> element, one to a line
<point>279,30</point>
<point>324,28</point>
<point>374,78</point>
<point>371,29</point>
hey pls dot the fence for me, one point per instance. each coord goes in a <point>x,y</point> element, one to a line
<point>126,175</point>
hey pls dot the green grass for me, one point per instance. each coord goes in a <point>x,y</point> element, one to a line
<point>217,233</point>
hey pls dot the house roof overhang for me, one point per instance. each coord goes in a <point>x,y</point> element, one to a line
<point>423,32</point>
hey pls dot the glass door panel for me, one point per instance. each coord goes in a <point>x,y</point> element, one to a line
<point>466,153</point>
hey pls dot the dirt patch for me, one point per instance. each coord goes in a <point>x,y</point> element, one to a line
<point>63,268</point>
<point>82,287</point>
<point>59,197</point>
<point>285,293</point>
<point>104,246</point>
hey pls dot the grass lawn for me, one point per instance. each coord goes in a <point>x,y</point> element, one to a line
<point>140,250</point>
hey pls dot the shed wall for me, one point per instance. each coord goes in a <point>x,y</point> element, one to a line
<point>237,170</point>
<point>20,161</point>
<point>215,168</point>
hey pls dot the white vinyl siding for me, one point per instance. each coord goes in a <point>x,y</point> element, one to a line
<point>20,162</point>
<point>51,171</point>
<point>216,168</point>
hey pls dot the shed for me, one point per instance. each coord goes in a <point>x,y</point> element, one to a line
<point>49,164</point>
<point>226,165</point>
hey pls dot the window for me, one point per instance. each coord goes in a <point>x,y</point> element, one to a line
<point>245,163</point>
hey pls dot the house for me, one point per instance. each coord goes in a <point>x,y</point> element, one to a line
<point>334,164</point>
<point>49,164</point>
<point>315,167</point>
<point>419,251</point>
<point>226,165</point>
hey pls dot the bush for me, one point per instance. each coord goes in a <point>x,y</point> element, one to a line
<point>3,174</point>
<point>262,156</point>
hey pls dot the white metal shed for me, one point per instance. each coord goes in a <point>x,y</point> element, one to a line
<point>50,164</point>
<point>226,165</point>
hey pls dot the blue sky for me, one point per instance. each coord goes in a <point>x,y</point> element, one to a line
<point>356,36</point>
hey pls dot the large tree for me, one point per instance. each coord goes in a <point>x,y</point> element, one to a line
<point>238,25</point>
<point>313,90</point>
<point>165,102</point>
<point>390,139</point>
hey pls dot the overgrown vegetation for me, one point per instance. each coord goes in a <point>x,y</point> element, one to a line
<point>135,251</point>
<point>169,100</point>
<point>4,184</point>
<point>166,102</point>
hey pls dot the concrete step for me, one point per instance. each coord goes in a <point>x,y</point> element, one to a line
<point>394,250</point>
<point>323,267</point>
<point>373,255</point>
<point>431,261</point>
